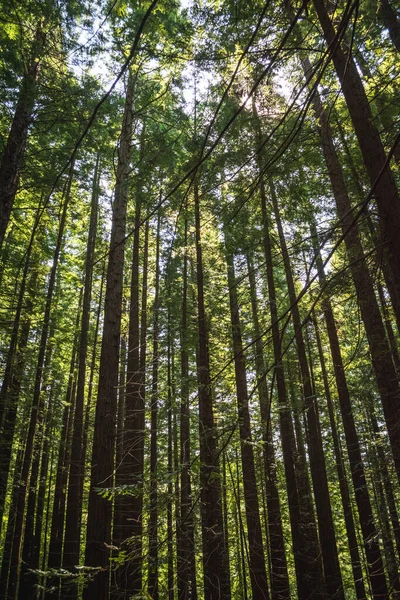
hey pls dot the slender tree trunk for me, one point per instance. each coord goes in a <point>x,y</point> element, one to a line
<point>391,21</point>
<point>215,554</point>
<point>98,534</point>
<point>343,485</point>
<point>8,372</point>
<point>371,545</point>
<point>14,150</point>
<point>307,559</point>
<point>385,372</point>
<point>12,514</point>
<point>375,160</point>
<point>326,528</point>
<point>60,488</point>
<point>258,574</point>
<point>279,575</point>
<point>170,466</point>
<point>11,384</point>
<point>186,556</point>
<point>37,402</point>
<point>387,481</point>
<point>153,516</point>
<point>42,491</point>
<point>72,536</point>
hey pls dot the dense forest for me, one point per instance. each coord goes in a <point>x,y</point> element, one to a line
<point>199,299</point>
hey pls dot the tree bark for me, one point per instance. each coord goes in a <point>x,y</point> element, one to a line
<point>374,156</point>
<point>153,516</point>
<point>98,534</point>
<point>258,574</point>
<point>37,401</point>
<point>280,588</point>
<point>186,551</point>
<point>391,21</point>
<point>72,537</point>
<point>14,150</point>
<point>215,553</point>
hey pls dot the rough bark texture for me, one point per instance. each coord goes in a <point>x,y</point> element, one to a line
<point>98,535</point>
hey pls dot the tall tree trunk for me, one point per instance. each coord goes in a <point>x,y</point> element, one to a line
<point>60,488</point>
<point>153,515</point>
<point>72,537</point>
<point>391,21</point>
<point>279,575</point>
<point>98,534</point>
<point>369,533</point>
<point>258,574</point>
<point>11,384</point>
<point>215,553</point>
<point>170,467</point>
<point>307,559</point>
<point>14,150</point>
<point>186,551</point>
<point>375,160</point>
<point>37,400</point>
<point>343,485</point>
<point>326,528</point>
<point>385,372</point>
<point>9,534</point>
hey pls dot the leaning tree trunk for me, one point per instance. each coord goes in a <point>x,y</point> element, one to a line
<point>374,156</point>
<point>342,477</point>
<point>14,150</point>
<point>385,372</point>
<point>369,532</point>
<point>391,21</point>
<point>10,387</point>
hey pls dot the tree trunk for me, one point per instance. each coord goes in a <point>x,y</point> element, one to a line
<point>258,574</point>
<point>153,516</point>
<point>186,551</point>
<point>37,401</point>
<point>72,536</point>
<point>343,485</point>
<point>385,372</point>
<point>306,553</point>
<point>375,160</point>
<point>98,534</point>
<point>391,21</point>
<point>371,545</point>
<point>14,150</point>
<point>326,528</point>
<point>279,575</point>
<point>215,553</point>
<point>11,384</point>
